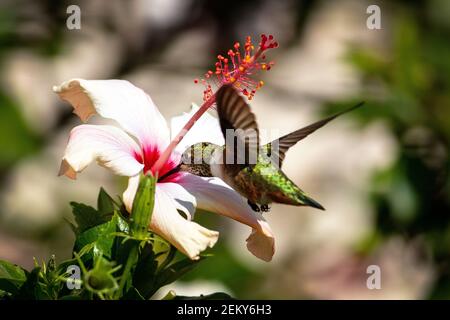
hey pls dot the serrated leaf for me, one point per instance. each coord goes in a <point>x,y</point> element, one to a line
<point>87,217</point>
<point>12,277</point>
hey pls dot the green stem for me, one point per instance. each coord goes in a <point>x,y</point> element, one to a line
<point>169,258</point>
<point>131,260</point>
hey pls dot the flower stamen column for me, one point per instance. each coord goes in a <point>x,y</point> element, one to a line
<point>237,70</point>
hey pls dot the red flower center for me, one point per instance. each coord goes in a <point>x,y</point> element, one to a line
<point>150,155</point>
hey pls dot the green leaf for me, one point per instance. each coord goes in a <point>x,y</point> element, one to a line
<point>143,207</point>
<point>128,255</point>
<point>100,237</point>
<point>48,284</point>
<point>105,203</point>
<point>32,289</point>
<point>174,272</point>
<point>62,267</point>
<point>12,277</point>
<point>87,217</point>
<point>144,273</point>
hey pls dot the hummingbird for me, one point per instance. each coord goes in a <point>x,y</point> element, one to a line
<point>255,172</point>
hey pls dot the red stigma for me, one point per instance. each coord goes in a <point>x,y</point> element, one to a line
<point>239,67</point>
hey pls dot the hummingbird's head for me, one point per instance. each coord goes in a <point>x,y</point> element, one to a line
<point>199,153</point>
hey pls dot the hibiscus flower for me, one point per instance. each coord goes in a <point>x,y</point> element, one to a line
<point>133,147</point>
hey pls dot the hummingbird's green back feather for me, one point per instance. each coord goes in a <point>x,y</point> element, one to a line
<point>265,183</point>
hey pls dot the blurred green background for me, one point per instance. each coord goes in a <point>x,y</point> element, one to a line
<point>381,172</point>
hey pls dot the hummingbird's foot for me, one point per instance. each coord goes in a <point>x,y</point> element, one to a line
<point>265,208</point>
<point>254,206</point>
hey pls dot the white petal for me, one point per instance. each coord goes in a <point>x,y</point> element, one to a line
<point>214,195</point>
<point>111,147</point>
<point>130,192</point>
<point>184,201</point>
<point>206,129</point>
<point>121,101</point>
<point>187,236</point>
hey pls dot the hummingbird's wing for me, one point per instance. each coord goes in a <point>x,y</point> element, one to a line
<point>280,146</point>
<point>239,127</point>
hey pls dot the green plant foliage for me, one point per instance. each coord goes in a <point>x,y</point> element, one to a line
<point>12,277</point>
<point>118,258</point>
<point>87,217</point>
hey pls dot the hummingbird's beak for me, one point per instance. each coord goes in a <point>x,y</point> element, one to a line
<point>312,203</point>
